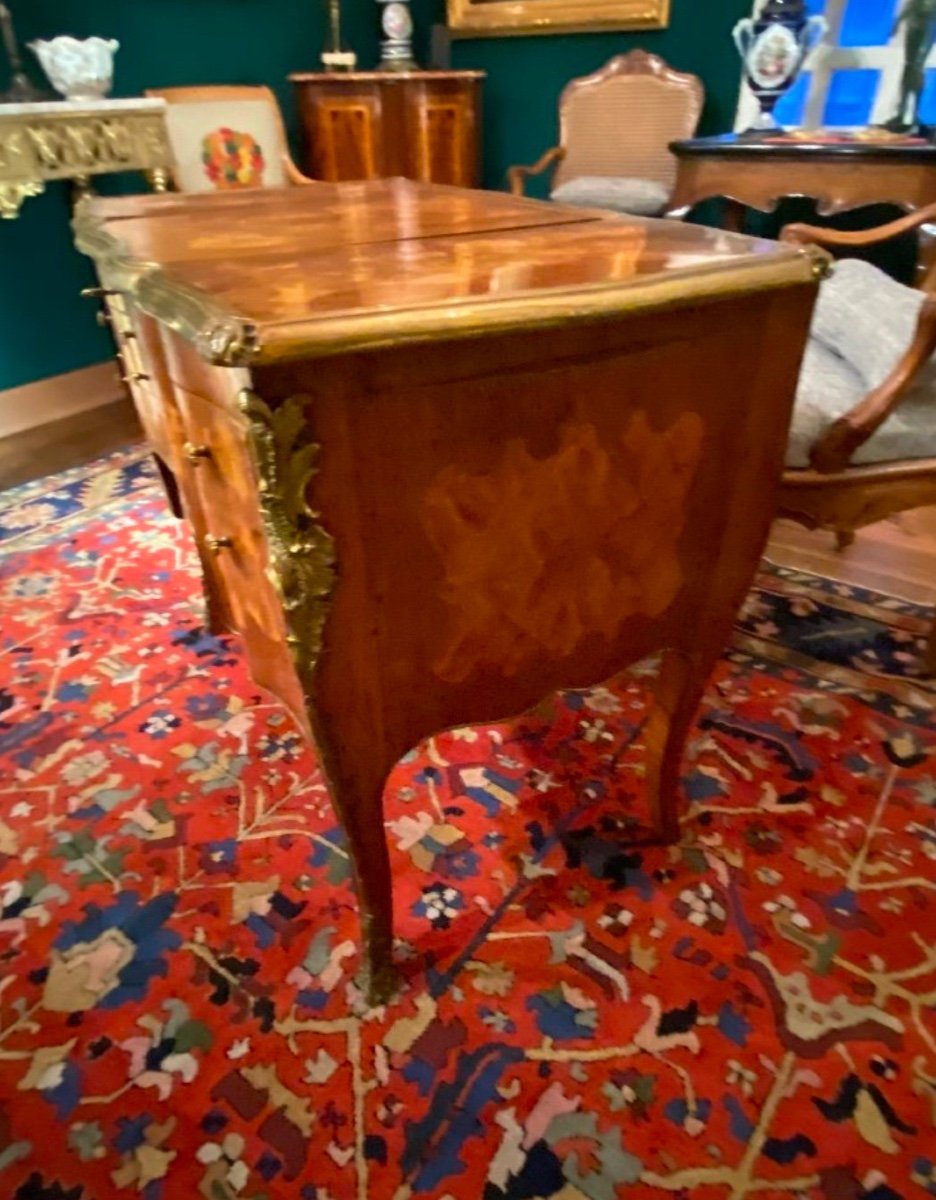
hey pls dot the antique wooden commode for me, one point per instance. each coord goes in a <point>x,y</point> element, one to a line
<point>445,452</point>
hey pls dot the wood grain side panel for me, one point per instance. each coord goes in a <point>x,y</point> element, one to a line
<point>659,396</point>
<point>343,127</point>
<point>441,122</point>
<point>425,127</point>
<point>539,553</point>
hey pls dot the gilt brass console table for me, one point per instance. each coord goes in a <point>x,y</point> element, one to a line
<point>445,452</point>
<point>60,139</point>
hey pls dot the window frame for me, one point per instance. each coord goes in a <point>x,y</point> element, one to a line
<point>830,57</point>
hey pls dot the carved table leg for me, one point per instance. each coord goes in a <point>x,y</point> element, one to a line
<point>356,773</point>
<point>355,758</point>
<point>677,695</point>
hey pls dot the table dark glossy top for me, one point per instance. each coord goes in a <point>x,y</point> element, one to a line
<point>763,147</point>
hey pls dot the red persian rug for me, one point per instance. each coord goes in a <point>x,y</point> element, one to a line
<point>750,1013</point>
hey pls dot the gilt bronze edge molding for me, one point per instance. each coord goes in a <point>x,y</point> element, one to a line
<point>226,338</point>
<point>453,321</point>
<point>301,562</point>
<point>115,264</point>
<point>220,336</point>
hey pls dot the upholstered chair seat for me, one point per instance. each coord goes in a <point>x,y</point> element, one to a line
<point>640,197</point>
<point>863,324</point>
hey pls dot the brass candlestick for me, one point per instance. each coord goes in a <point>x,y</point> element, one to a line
<point>21,89</point>
<point>336,58</point>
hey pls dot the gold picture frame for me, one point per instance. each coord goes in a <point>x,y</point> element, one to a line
<point>480,18</point>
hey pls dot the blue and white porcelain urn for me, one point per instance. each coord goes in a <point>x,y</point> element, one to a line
<point>774,46</point>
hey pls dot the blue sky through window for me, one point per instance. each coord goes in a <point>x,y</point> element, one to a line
<point>851,96</point>
<point>868,22</point>
<point>791,108</point>
<point>928,99</point>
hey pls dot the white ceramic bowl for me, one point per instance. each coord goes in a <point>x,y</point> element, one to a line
<point>80,70</point>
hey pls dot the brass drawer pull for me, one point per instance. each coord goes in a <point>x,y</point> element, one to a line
<point>217,544</point>
<point>97,293</point>
<point>104,318</point>
<point>196,454</point>
<point>136,377</point>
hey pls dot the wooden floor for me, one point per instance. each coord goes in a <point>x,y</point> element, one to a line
<point>67,443</point>
<point>897,557</point>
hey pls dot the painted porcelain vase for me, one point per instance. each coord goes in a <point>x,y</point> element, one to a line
<point>774,46</point>
<point>79,70</point>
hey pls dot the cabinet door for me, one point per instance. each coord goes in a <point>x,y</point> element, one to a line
<point>442,131</point>
<point>344,131</point>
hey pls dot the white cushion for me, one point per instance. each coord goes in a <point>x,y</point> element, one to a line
<point>867,318</point>
<point>640,197</point>
<point>829,387</point>
<point>225,144</point>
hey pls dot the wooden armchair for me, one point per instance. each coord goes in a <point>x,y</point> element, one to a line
<point>226,137</point>
<point>615,128</point>
<point>872,452</point>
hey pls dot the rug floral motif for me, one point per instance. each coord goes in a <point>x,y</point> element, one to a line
<point>749,1013</point>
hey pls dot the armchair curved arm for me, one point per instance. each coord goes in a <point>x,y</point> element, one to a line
<point>802,235</point>
<point>834,449</point>
<point>517,176</point>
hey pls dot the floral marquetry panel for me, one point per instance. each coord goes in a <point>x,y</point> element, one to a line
<point>538,552</point>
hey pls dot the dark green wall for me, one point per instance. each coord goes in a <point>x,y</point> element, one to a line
<point>45,329</point>
<point>526,75</point>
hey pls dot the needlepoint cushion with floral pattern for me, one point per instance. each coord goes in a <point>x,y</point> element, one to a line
<point>224,144</point>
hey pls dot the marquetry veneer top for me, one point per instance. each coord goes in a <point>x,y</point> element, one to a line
<point>330,267</point>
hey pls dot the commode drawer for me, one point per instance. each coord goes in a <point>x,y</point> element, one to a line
<point>218,471</point>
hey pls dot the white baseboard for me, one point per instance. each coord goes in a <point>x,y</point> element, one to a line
<point>36,404</point>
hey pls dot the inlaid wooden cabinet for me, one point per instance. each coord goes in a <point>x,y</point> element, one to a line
<point>423,125</point>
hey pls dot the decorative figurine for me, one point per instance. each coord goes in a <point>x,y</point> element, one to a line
<point>336,58</point>
<point>396,50</point>
<point>21,89</point>
<point>80,70</point>
<point>774,47</point>
<point>918,17</point>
